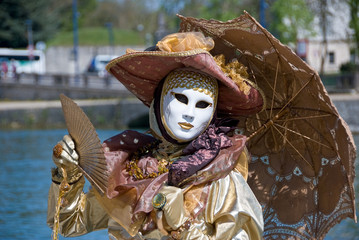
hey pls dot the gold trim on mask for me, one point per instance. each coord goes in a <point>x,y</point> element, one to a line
<point>186,78</point>
<point>197,81</point>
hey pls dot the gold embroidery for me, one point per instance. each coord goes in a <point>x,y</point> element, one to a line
<point>166,153</point>
<point>184,78</point>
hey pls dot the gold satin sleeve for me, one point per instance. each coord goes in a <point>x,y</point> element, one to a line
<point>80,215</point>
<point>242,165</point>
<point>232,212</point>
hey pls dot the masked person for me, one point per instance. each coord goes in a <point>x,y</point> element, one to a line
<point>187,179</point>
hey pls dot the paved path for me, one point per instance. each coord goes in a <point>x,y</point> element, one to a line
<point>344,97</point>
<point>17,105</point>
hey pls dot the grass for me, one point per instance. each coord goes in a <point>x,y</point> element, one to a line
<point>98,36</point>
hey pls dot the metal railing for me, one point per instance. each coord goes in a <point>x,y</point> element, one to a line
<point>49,86</point>
<point>65,80</point>
<point>341,82</point>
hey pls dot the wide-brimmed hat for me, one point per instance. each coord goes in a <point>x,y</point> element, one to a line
<point>141,72</point>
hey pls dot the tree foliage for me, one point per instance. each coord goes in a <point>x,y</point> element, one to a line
<point>354,22</point>
<point>85,8</point>
<point>208,9</point>
<point>289,18</point>
<point>285,18</point>
<point>224,10</point>
<point>47,18</point>
<point>13,16</point>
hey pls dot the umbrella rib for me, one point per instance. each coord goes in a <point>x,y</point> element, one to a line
<point>249,138</point>
<point>251,68</point>
<point>318,132</point>
<point>300,90</point>
<point>274,90</point>
<point>288,99</point>
<point>263,76</point>
<point>292,146</point>
<point>279,58</point>
<point>304,136</point>
<point>302,118</point>
<point>269,40</point>
<point>265,79</point>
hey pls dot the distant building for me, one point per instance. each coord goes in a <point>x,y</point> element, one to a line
<point>338,35</point>
<point>337,54</point>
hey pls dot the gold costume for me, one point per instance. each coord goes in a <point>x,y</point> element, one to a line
<point>231,212</point>
<point>203,182</point>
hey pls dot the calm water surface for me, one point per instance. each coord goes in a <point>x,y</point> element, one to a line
<point>25,163</point>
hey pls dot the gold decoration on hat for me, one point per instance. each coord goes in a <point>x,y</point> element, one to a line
<point>185,41</point>
<point>180,42</point>
<point>236,71</point>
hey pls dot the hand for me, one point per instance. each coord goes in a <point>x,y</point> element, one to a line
<point>64,154</point>
<point>173,210</point>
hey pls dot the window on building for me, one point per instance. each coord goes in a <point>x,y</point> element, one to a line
<point>331,57</point>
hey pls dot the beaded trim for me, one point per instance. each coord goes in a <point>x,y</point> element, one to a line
<point>184,78</point>
<point>177,234</point>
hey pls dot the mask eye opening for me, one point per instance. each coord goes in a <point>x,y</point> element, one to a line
<point>180,97</point>
<point>203,104</point>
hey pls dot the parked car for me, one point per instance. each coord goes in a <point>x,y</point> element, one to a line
<point>98,64</point>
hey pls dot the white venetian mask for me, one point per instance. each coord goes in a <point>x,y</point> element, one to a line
<point>188,103</point>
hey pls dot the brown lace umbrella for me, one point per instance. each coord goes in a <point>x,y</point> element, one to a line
<point>302,167</point>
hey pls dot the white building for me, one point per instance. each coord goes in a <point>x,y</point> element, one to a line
<point>337,54</point>
<point>339,45</point>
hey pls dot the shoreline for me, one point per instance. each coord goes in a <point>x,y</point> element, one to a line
<point>119,113</point>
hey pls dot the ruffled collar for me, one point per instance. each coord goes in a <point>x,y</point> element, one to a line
<point>122,186</point>
<point>187,160</point>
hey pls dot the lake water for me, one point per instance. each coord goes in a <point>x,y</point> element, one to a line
<point>25,163</point>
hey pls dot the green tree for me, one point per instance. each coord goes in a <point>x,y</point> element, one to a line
<point>289,18</point>
<point>85,9</point>
<point>354,22</point>
<point>126,14</point>
<point>222,10</point>
<point>229,9</point>
<point>47,16</point>
<point>13,15</point>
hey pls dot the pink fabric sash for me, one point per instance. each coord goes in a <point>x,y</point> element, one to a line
<point>120,182</point>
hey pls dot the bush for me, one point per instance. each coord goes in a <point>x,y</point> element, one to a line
<point>348,67</point>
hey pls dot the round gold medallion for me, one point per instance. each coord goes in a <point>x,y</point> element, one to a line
<point>158,201</point>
